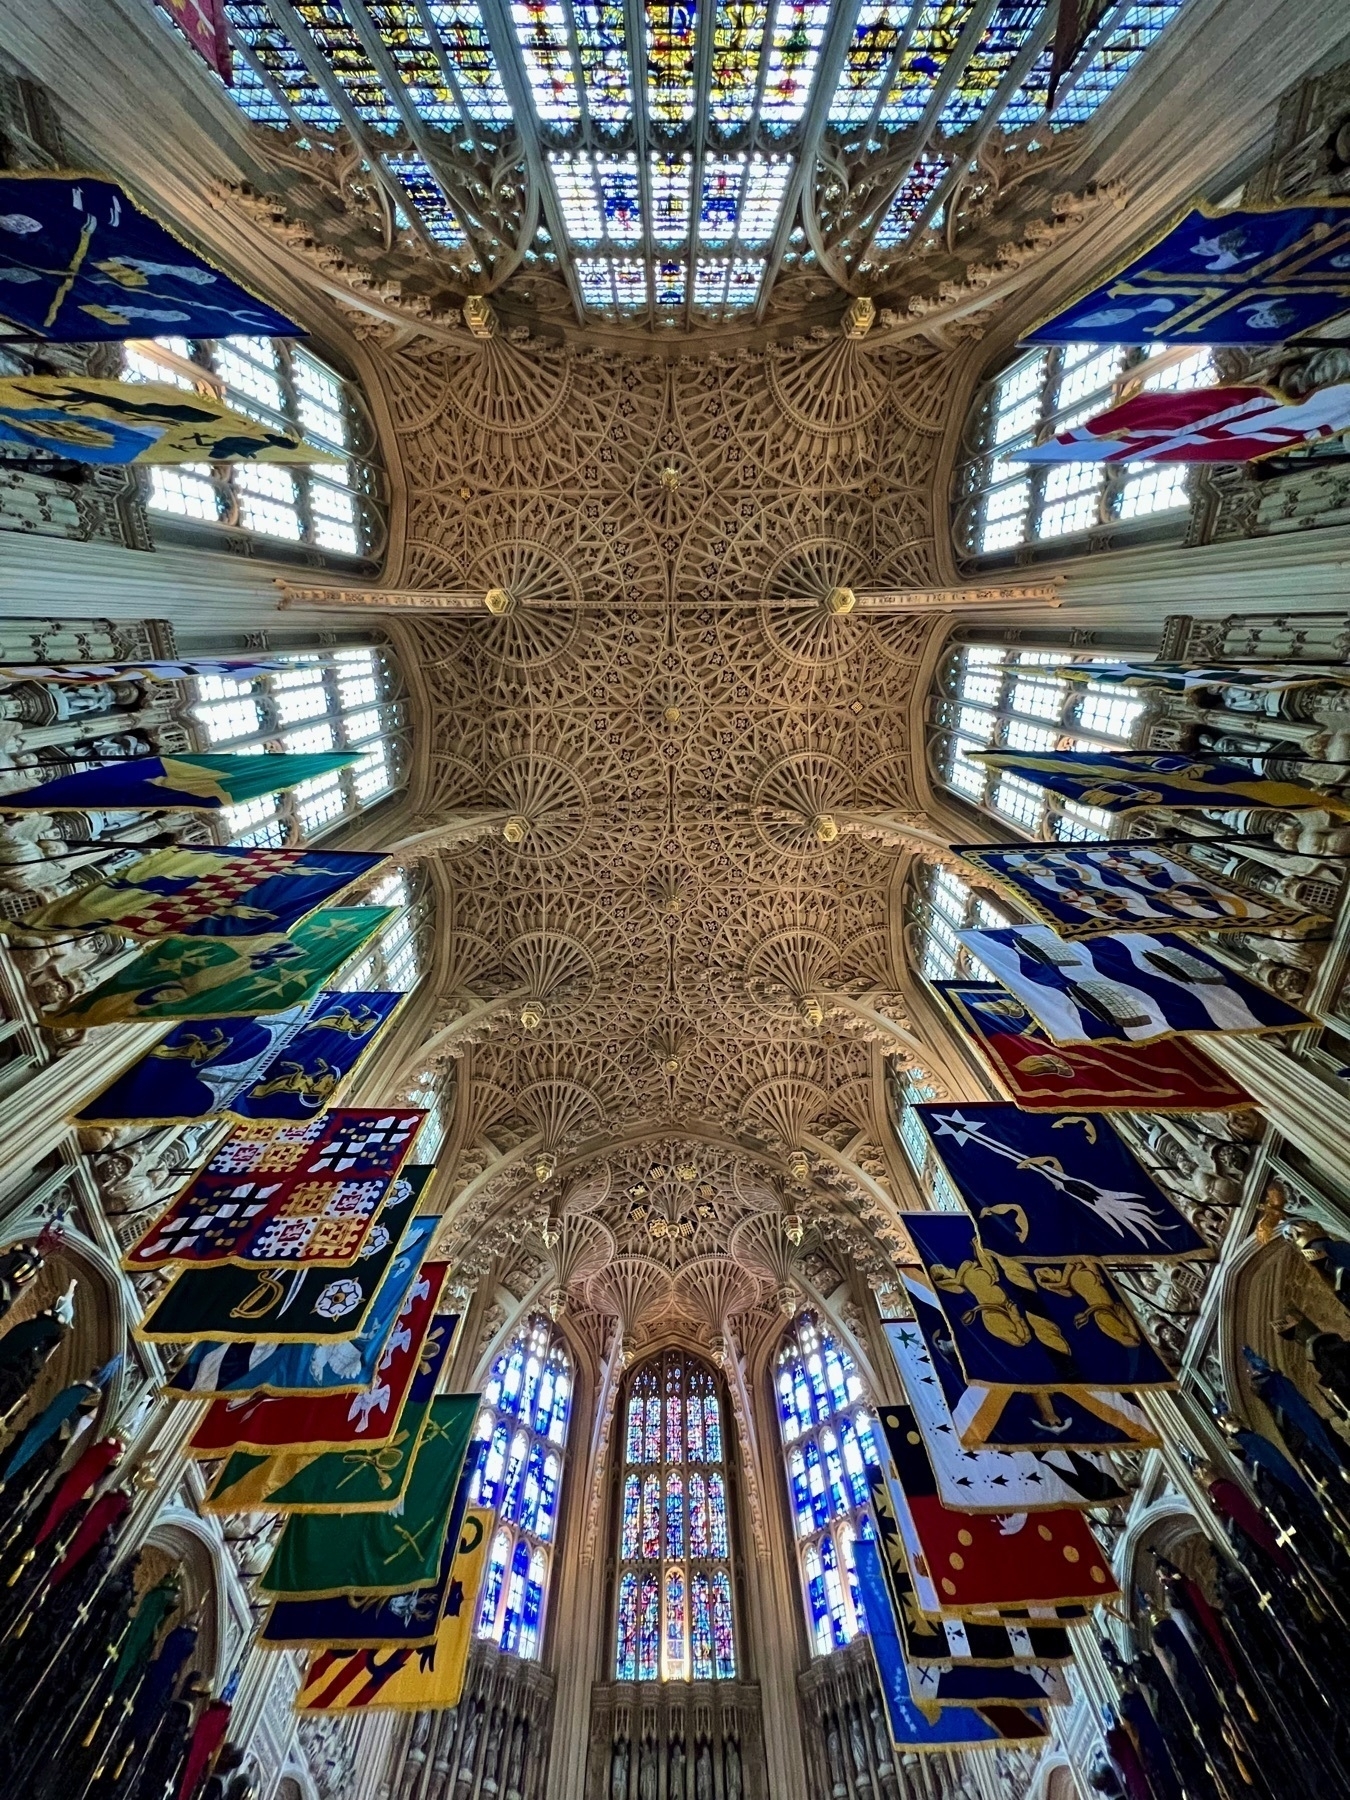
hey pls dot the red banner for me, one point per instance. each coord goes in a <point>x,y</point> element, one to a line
<point>202,23</point>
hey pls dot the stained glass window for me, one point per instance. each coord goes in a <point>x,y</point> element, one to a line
<point>674,1590</point>
<point>519,1441</point>
<point>829,1438</point>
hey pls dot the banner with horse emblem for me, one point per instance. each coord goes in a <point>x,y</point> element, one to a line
<point>81,263</point>
<point>1056,1187</point>
<point>284,1066</point>
<point>305,1306</point>
<point>1166,1075</point>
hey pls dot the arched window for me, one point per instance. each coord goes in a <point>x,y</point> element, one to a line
<point>1004,504</point>
<point>987,696</point>
<point>347,699</point>
<point>828,1441</point>
<point>520,1439</point>
<point>329,508</point>
<point>674,1599</point>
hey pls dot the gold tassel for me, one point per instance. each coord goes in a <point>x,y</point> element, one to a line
<point>24,1561</point>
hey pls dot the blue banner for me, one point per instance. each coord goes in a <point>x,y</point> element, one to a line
<point>1056,1186</point>
<point>1130,986</point>
<point>287,1065</point>
<point>955,1727</point>
<point>1031,1325</point>
<point>1256,276</point>
<point>81,263</point>
<point>999,1419</point>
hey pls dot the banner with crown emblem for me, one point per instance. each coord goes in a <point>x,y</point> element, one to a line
<point>287,1065</point>
<point>305,1305</point>
<point>395,1678</point>
<point>1164,1075</point>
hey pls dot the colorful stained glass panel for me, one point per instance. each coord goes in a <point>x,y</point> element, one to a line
<point>670,60</point>
<point>798,32</point>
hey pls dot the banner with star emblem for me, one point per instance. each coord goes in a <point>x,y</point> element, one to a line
<point>1255,275</point>
<point>1121,781</point>
<point>300,1306</point>
<point>403,1680</point>
<point>1166,1075</point>
<point>1003,1418</point>
<point>362,1478</point>
<point>81,263</point>
<point>988,1560</point>
<point>205,891</point>
<point>944,1640</point>
<point>389,1552</point>
<point>1056,1187</point>
<point>1084,889</point>
<point>201,978</point>
<point>912,1727</point>
<point>282,1066</point>
<point>1131,985</point>
<point>991,1479</point>
<point>278,1424</point>
<point>1027,1325</point>
<point>285,1194</point>
<point>345,1366</point>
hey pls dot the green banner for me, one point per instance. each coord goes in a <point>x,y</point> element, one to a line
<point>322,1554</point>
<point>214,977</point>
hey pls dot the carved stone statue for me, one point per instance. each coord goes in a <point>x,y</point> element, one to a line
<point>492,1758</point>
<point>675,1771</point>
<point>469,1749</point>
<point>618,1771</point>
<point>703,1774</point>
<point>648,1780</point>
<point>731,1758</point>
<point>857,1743</point>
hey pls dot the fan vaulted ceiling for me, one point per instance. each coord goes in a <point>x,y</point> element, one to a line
<point>669,164</point>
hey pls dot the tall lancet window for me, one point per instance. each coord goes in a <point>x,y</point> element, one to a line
<point>828,1441</point>
<point>520,1438</point>
<point>674,1612</point>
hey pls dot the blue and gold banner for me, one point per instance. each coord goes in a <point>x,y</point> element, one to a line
<point>80,262</point>
<point>1082,889</point>
<point>285,1066</point>
<point>1121,781</point>
<point>1185,678</point>
<point>199,978</point>
<point>206,891</point>
<point>193,782</point>
<point>88,419</point>
<point>1056,1187</point>
<point>1027,1325</point>
<point>1255,276</point>
<point>1129,985</point>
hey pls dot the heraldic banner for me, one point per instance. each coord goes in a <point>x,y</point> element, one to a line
<point>302,1306</point>
<point>206,891</point>
<point>284,1066</point>
<point>1120,781</point>
<point>92,420</point>
<point>1129,985</point>
<point>80,262</point>
<point>1056,1187</point>
<point>1082,889</point>
<point>1256,276</point>
<point>406,1680</point>
<point>193,782</point>
<point>343,1366</point>
<point>197,978</point>
<point>285,1193</point>
<point>1167,1075</point>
